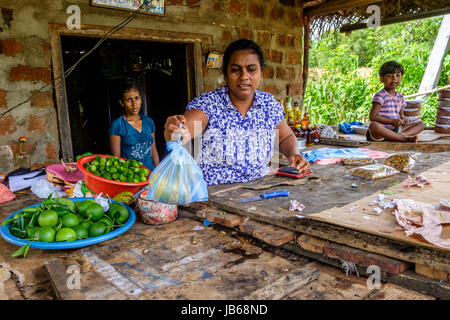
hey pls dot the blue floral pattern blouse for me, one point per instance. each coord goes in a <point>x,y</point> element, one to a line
<point>233,148</point>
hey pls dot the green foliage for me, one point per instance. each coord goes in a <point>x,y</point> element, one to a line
<point>341,95</point>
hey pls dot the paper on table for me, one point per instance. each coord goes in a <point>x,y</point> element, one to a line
<point>17,183</point>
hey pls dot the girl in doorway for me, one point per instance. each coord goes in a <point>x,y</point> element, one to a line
<point>132,135</point>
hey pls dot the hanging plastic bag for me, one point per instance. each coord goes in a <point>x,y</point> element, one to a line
<point>177,179</point>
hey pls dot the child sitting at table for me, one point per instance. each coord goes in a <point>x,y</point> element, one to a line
<point>386,115</point>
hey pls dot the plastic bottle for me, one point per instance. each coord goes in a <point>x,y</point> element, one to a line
<point>22,156</point>
<point>288,104</point>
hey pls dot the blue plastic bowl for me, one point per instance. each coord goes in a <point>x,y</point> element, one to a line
<point>4,232</point>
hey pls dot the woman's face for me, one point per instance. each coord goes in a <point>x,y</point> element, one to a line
<point>131,101</point>
<point>243,74</point>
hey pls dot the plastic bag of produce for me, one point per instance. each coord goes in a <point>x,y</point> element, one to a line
<point>372,172</point>
<point>403,161</point>
<point>177,179</point>
<point>358,160</point>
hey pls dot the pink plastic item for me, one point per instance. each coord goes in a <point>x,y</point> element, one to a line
<point>5,194</point>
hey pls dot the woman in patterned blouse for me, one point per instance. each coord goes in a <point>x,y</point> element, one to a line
<point>237,124</point>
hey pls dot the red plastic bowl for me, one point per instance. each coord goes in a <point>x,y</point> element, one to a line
<point>109,187</point>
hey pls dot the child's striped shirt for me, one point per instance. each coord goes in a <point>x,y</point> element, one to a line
<point>390,106</point>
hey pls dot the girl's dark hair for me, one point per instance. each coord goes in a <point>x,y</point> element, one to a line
<point>127,86</point>
<point>391,67</point>
<point>242,44</point>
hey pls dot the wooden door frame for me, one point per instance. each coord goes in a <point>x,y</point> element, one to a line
<point>57,30</point>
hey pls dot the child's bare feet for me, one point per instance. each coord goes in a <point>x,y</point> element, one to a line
<point>414,139</point>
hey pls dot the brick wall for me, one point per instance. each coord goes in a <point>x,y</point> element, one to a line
<point>25,53</point>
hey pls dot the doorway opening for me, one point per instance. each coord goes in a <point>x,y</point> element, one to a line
<point>161,70</point>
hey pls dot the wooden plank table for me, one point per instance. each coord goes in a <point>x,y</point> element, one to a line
<point>175,261</point>
<point>328,198</point>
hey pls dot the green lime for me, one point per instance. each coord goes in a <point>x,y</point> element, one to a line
<point>31,231</point>
<point>69,220</point>
<point>108,222</point>
<point>87,224</point>
<point>97,229</point>
<point>66,234</point>
<point>45,234</point>
<point>48,218</point>
<point>82,205</point>
<point>94,211</point>
<point>119,213</point>
<point>81,231</point>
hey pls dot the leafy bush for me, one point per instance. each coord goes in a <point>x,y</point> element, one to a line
<point>341,95</point>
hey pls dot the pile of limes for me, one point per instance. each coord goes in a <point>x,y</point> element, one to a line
<point>56,220</point>
<point>117,169</point>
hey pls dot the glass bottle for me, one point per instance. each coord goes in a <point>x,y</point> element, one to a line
<point>305,119</point>
<point>309,136</point>
<point>316,134</point>
<point>22,156</point>
<point>303,132</point>
<point>298,130</point>
<point>296,110</point>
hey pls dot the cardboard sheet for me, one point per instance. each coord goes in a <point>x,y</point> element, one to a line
<point>362,216</point>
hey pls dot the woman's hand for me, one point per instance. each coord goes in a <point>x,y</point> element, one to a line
<point>172,129</point>
<point>300,163</point>
<point>194,123</point>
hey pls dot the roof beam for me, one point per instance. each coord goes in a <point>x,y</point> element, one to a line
<point>402,18</point>
<point>335,6</point>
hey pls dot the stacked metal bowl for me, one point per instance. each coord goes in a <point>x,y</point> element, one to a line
<point>412,110</point>
<point>443,113</point>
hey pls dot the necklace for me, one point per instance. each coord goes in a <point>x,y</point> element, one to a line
<point>133,120</point>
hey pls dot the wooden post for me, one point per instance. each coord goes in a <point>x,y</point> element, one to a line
<point>436,58</point>
<point>306,47</point>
